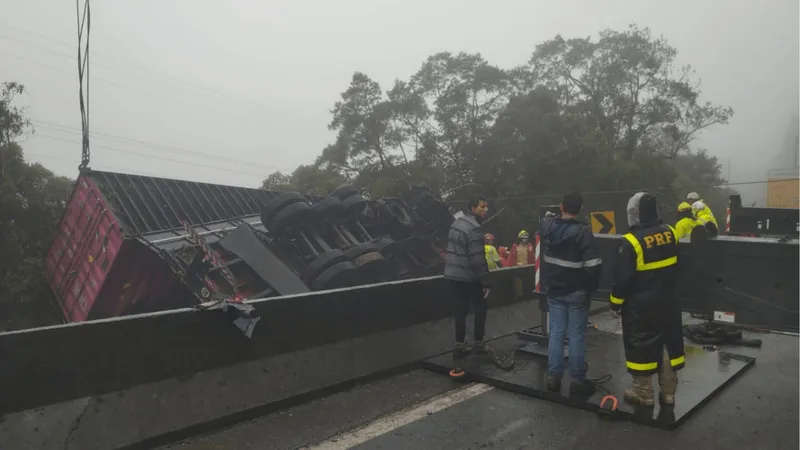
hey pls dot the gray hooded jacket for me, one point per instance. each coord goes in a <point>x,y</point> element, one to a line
<point>466,257</point>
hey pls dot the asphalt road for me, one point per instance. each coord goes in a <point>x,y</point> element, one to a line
<point>759,410</point>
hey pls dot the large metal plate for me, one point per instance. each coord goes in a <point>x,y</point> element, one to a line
<point>243,243</point>
<point>706,374</point>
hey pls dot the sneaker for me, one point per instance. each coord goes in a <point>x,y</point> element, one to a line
<point>553,383</point>
<point>634,397</point>
<point>583,388</point>
<point>666,399</point>
<point>462,349</point>
<point>479,347</point>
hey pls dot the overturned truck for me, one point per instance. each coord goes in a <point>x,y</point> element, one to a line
<point>131,244</point>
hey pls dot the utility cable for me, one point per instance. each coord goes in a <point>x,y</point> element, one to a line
<point>167,148</point>
<point>154,156</point>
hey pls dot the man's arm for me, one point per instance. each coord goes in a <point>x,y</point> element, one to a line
<point>477,255</point>
<point>624,271</point>
<point>592,262</point>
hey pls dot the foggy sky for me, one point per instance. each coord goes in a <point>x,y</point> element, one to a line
<point>253,82</point>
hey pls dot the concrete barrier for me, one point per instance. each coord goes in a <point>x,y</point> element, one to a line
<point>53,364</point>
<point>151,413</point>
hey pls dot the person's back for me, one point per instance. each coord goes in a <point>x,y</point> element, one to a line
<point>686,221</point>
<point>645,291</point>
<point>571,273</point>
<point>703,214</point>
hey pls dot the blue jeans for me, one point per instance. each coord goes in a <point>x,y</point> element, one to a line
<point>569,316</point>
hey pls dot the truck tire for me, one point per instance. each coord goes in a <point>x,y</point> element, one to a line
<point>344,192</point>
<point>322,262</point>
<point>271,209</point>
<point>399,211</point>
<point>288,216</point>
<point>343,274</point>
<point>373,267</point>
<point>354,252</point>
<point>354,205</point>
<point>330,207</point>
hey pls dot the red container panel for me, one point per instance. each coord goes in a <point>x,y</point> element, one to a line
<point>84,250</point>
<point>140,275</point>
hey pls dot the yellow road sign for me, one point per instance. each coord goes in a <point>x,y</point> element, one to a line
<point>603,222</point>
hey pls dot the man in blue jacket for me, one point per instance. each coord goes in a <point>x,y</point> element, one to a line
<point>466,270</point>
<point>572,269</point>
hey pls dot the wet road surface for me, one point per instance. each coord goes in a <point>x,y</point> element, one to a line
<point>422,410</point>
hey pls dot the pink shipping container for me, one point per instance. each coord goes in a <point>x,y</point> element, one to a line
<point>112,254</point>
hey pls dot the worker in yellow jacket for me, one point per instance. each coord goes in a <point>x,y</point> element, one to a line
<point>493,260</point>
<point>702,213</point>
<point>686,222</point>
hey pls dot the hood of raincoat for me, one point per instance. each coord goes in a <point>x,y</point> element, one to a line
<point>642,209</point>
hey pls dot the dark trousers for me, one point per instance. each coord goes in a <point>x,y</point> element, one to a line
<point>464,294</point>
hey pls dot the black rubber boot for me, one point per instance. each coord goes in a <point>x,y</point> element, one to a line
<point>583,388</point>
<point>553,383</point>
<point>462,349</point>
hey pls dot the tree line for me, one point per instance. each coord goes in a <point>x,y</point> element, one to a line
<point>610,113</point>
<point>32,200</point>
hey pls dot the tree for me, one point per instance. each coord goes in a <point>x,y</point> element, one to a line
<point>629,87</point>
<point>32,200</point>
<point>13,122</point>
<point>316,181</point>
<point>310,180</point>
<point>277,181</point>
<point>612,114</point>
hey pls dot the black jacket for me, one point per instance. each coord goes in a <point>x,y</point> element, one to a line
<point>645,290</point>
<point>466,256</point>
<point>570,261</point>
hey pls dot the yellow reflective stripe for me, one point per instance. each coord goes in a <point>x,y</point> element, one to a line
<point>640,264</point>
<point>659,264</point>
<point>637,248</point>
<point>642,367</point>
<point>677,361</point>
<point>674,234</point>
<point>616,300</point>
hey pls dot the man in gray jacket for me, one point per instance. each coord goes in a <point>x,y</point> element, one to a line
<point>466,270</point>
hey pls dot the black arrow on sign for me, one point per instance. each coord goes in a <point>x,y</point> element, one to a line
<point>607,226</point>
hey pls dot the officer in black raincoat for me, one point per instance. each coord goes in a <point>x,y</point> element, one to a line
<point>645,293</point>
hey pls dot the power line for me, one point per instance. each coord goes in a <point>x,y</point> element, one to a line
<point>104,168</point>
<point>214,108</point>
<point>179,83</point>
<point>65,128</point>
<point>240,172</point>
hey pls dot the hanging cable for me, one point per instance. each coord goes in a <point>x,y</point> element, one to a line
<point>84,25</point>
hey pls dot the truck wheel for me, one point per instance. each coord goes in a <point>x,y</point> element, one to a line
<point>354,252</point>
<point>399,211</point>
<point>337,276</point>
<point>354,205</point>
<point>330,207</point>
<point>344,192</point>
<point>373,267</point>
<point>288,216</point>
<point>271,209</point>
<point>322,263</point>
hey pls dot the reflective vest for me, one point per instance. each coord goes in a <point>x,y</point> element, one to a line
<point>646,292</point>
<point>703,213</point>
<point>492,257</point>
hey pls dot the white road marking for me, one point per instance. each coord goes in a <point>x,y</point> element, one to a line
<point>396,420</point>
